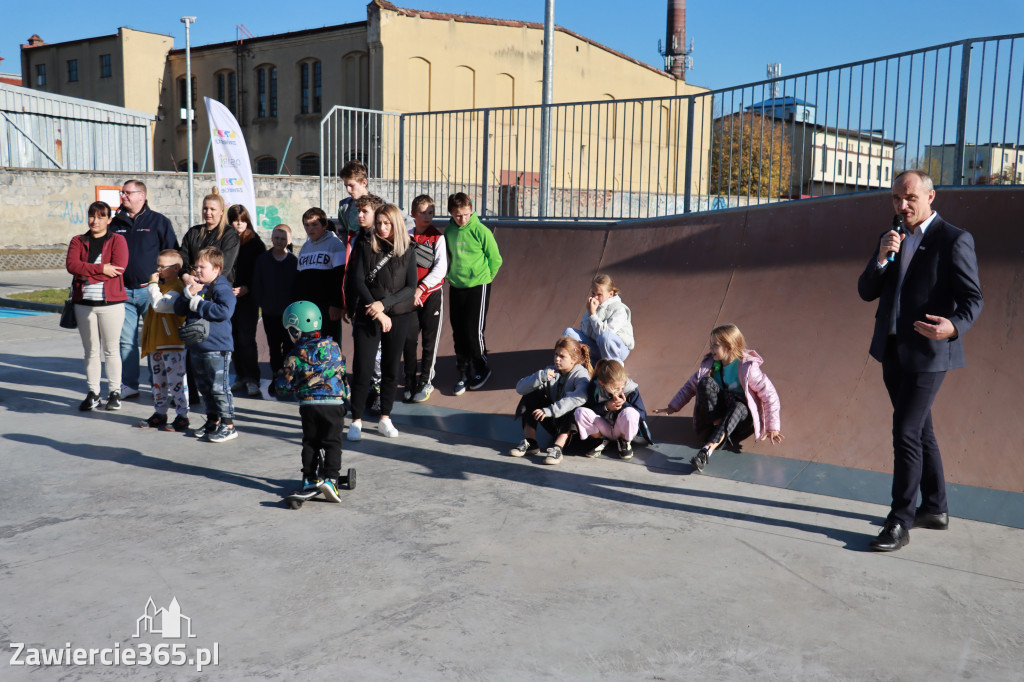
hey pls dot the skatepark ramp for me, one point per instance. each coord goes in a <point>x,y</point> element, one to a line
<point>786,274</point>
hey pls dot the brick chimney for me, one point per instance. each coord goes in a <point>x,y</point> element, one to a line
<point>675,39</point>
<point>35,41</point>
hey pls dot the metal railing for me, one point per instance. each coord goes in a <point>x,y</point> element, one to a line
<point>954,110</point>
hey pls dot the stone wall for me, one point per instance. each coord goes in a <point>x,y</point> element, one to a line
<point>48,207</point>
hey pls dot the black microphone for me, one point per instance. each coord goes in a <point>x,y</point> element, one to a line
<point>897,224</point>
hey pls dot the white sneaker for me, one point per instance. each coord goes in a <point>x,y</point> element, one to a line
<point>355,431</point>
<point>386,428</point>
<point>128,393</point>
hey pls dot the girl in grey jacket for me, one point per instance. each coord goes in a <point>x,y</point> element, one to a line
<point>606,327</point>
<point>551,396</point>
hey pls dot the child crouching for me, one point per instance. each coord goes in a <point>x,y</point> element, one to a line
<point>614,409</point>
<point>550,396</point>
<point>315,371</point>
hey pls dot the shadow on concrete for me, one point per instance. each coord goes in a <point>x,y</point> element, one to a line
<point>460,467</point>
<point>135,458</point>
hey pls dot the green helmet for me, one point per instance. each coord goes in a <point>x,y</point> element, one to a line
<point>302,316</point>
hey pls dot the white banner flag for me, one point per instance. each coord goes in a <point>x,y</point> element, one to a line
<point>231,158</point>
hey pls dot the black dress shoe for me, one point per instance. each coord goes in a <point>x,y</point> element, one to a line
<point>892,537</point>
<point>931,521</point>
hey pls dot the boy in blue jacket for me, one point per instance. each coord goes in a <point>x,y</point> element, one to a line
<point>210,298</point>
<point>315,371</point>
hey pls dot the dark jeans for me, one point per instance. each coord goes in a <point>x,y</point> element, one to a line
<point>426,320</point>
<point>322,426</point>
<point>366,336</point>
<point>732,409</point>
<point>467,311</point>
<point>917,463</point>
<point>211,370</point>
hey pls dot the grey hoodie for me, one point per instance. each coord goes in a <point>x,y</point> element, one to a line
<point>611,316</point>
<point>573,392</point>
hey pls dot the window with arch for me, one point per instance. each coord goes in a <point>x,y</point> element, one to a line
<point>227,90</point>
<point>266,165</point>
<point>310,87</point>
<point>266,91</point>
<point>309,164</point>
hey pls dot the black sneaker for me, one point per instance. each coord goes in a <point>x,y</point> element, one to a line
<point>180,424</point>
<point>460,386</point>
<point>597,449</point>
<point>156,421</point>
<point>553,455</point>
<point>625,449</point>
<point>700,460</point>
<point>114,400</point>
<point>91,402</point>
<point>209,427</point>
<point>478,381</point>
<point>525,447</point>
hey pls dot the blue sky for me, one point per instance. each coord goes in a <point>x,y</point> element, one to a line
<point>734,40</point>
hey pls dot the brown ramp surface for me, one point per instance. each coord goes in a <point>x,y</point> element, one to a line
<point>786,274</point>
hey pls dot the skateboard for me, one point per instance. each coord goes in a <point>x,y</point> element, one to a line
<point>300,497</point>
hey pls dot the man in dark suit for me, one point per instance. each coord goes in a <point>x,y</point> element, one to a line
<point>928,298</point>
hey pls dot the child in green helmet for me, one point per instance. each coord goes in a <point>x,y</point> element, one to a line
<point>314,370</point>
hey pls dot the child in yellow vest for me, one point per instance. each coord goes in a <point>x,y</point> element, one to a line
<point>165,349</point>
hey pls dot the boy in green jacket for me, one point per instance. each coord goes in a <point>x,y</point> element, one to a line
<point>473,261</point>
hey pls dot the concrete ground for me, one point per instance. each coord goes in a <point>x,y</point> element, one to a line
<point>451,560</point>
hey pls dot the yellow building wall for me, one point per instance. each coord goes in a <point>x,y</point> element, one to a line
<point>436,65</point>
<point>142,67</point>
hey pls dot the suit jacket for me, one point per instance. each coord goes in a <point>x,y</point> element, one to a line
<point>942,279</point>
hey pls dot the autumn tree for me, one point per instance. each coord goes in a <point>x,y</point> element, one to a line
<point>751,155</point>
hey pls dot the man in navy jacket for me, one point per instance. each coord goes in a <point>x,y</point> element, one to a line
<point>928,298</point>
<point>147,233</point>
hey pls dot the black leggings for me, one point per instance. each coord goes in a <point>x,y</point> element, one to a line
<point>366,336</point>
<point>718,403</point>
<point>537,400</point>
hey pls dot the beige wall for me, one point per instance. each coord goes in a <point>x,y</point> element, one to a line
<point>136,66</point>
<point>343,58</point>
<point>449,64</point>
<point>144,56</point>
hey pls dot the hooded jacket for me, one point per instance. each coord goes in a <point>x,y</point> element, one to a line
<point>611,316</point>
<point>315,371</point>
<point>215,303</point>
<point>565,398</point>
<point>758,390</point>
<point>473,257</point>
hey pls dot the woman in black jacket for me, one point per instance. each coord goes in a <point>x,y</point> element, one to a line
<point>379,288</point>
<point>214,231</point>
<point>247,311</point>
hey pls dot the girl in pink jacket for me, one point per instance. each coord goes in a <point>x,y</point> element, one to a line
<point>734,397</point>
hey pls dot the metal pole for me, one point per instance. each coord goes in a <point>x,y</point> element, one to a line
<point>961,115</point>
<point>545,112</point>
<point>188,113</point>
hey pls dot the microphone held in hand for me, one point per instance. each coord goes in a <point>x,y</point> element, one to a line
<point>897,224</point>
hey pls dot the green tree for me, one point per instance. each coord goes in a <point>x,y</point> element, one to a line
<point>751,155</point>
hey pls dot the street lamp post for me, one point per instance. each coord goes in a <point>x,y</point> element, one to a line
<point>545,111</point>
<point>188,113</point>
